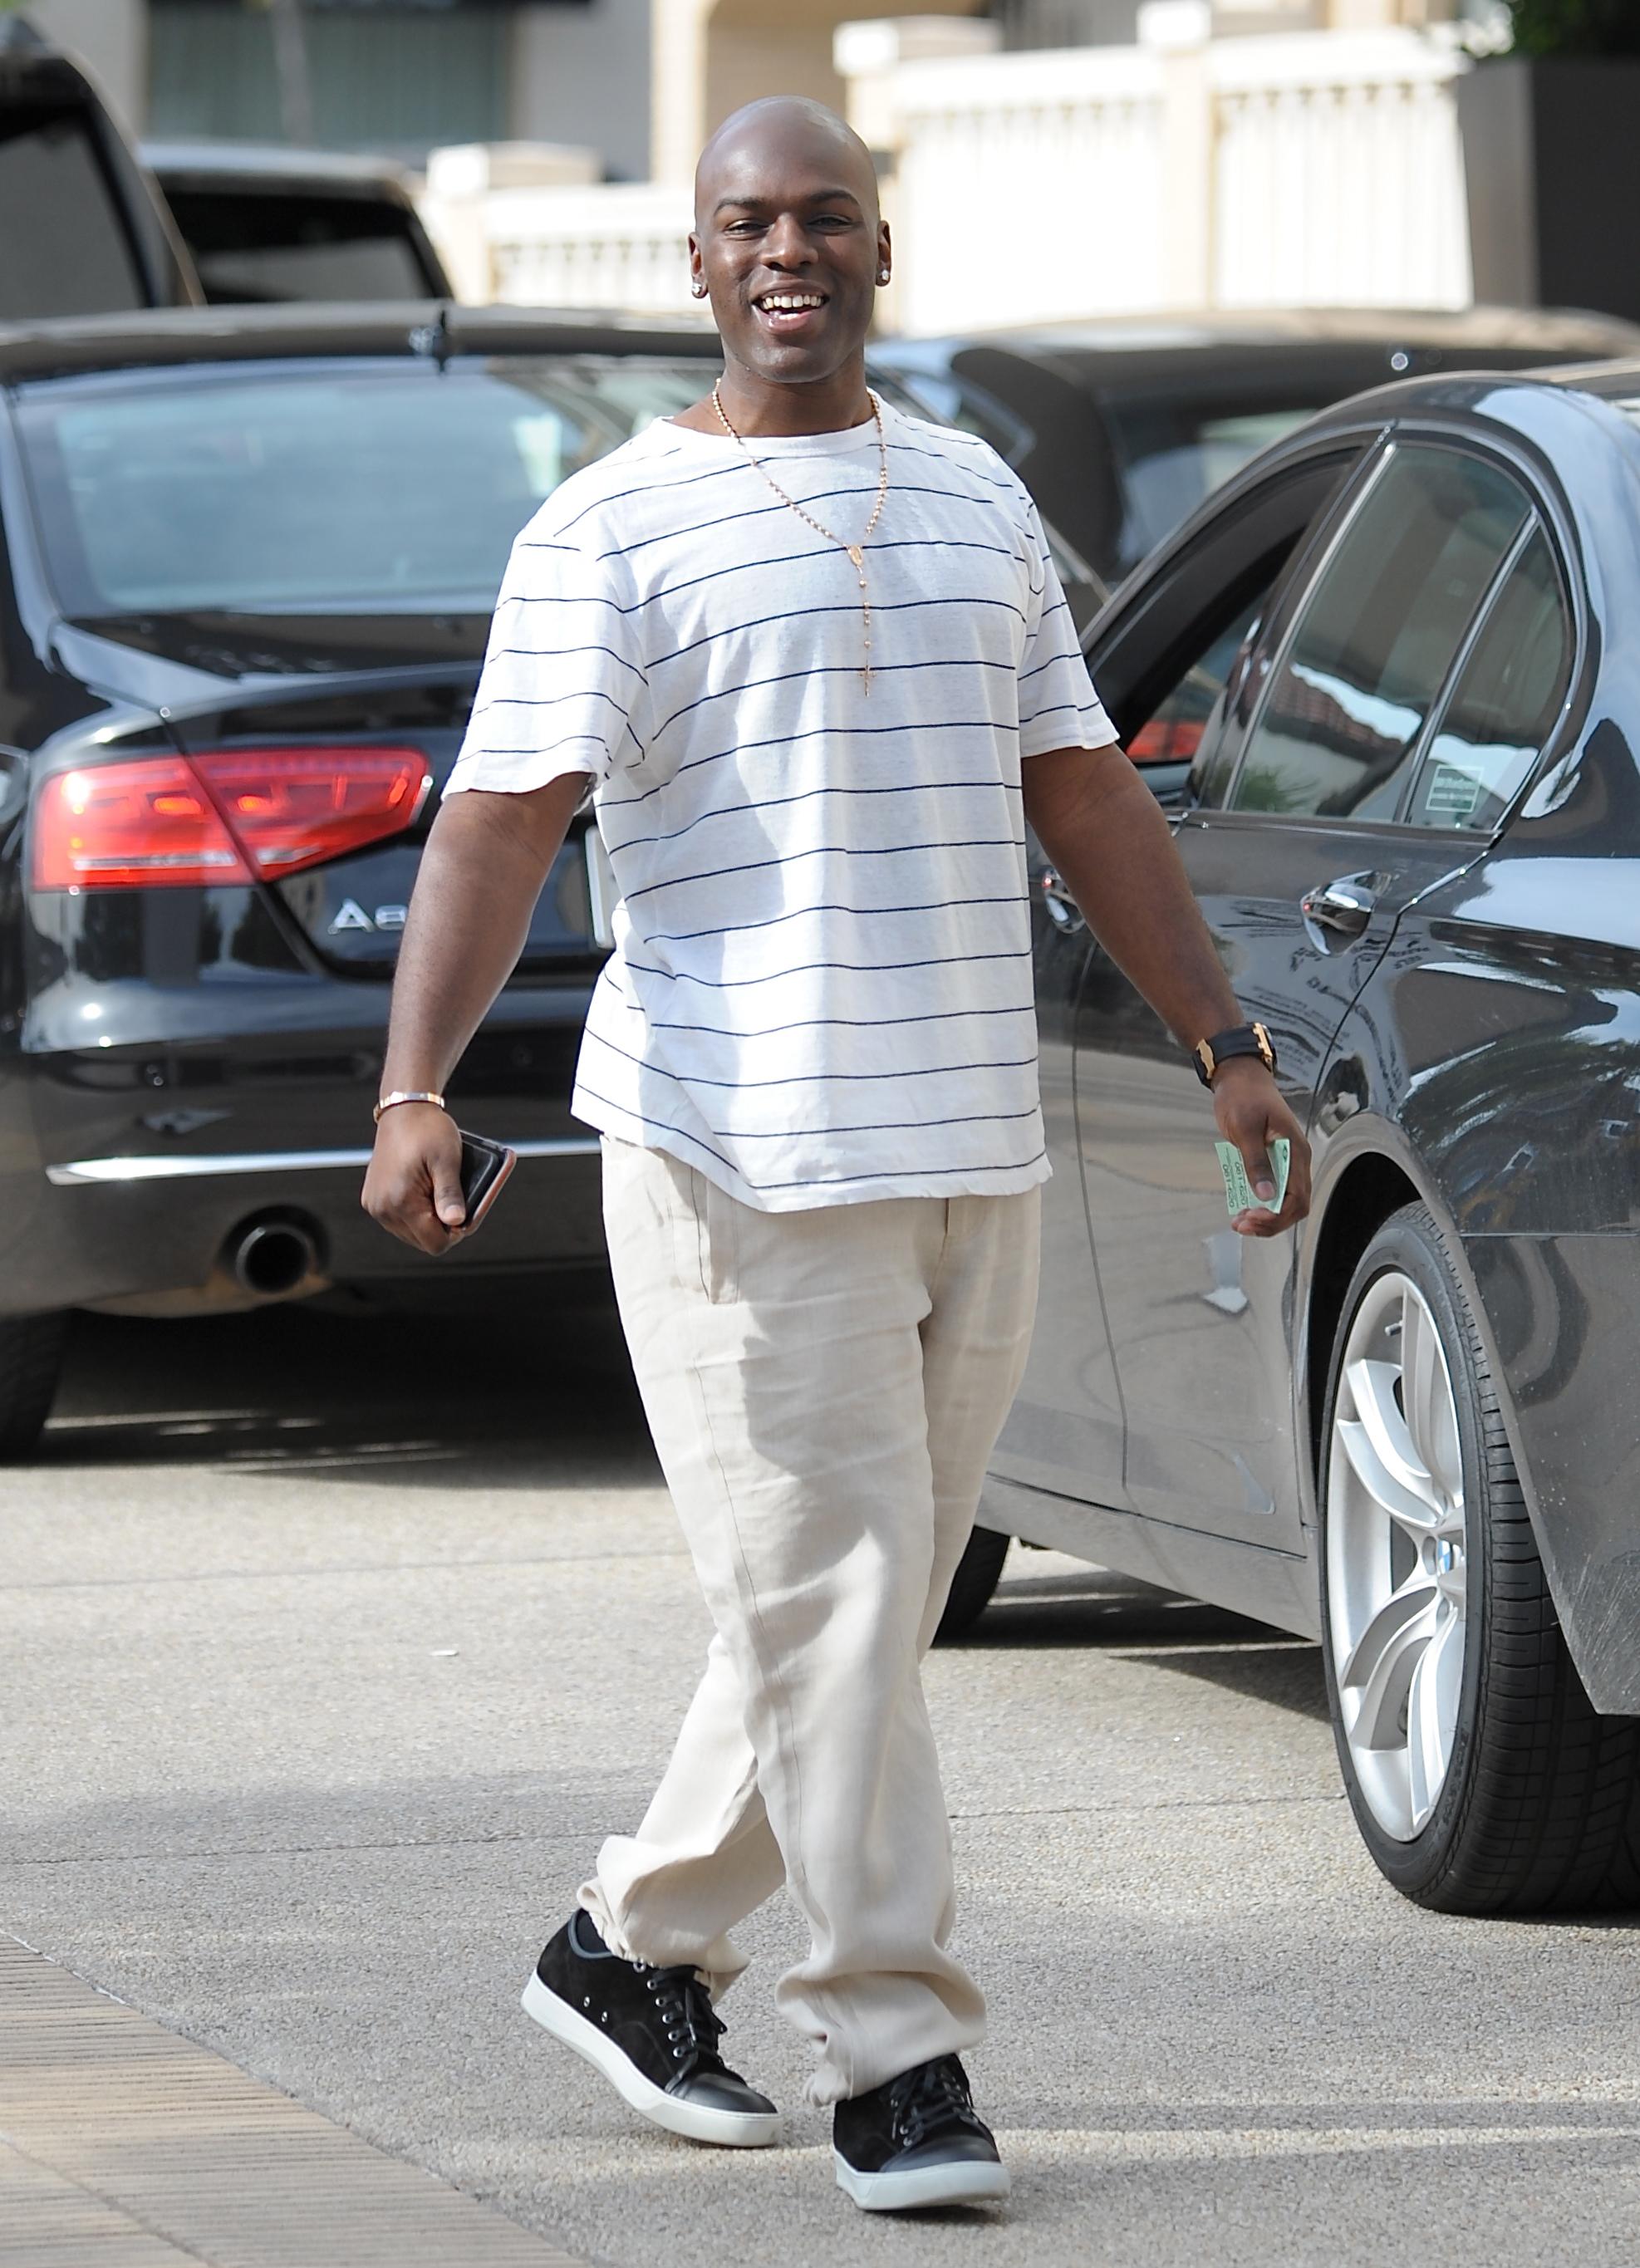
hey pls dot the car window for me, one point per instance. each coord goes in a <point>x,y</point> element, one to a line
<point>1174,454</point>
<point>936,393</point>
<point>1377,637</point>
<point>1173,733</point>
<point>251,248</point>
<point>1505,702</point>
<point>389,485</point>
<point>75,256</point>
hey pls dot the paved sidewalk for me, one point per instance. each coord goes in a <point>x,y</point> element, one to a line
<point>330,1652</point>
<point>123,2146</point>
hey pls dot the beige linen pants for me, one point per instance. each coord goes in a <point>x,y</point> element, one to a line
<point>824,1388</point>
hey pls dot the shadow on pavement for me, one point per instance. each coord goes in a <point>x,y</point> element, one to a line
<point>1286,1671</point>
<point>445,1401</point>
<point>527,1397</point>
<point>1096,1607</point>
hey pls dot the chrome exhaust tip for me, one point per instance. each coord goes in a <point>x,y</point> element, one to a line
<point>270,1258</point>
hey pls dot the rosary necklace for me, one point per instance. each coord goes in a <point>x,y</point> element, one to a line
<point>855,551</point>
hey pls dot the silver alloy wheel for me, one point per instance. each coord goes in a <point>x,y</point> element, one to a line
<point>1397,1593</point>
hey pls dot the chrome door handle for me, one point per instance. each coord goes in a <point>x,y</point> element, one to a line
<point>1343,906</point>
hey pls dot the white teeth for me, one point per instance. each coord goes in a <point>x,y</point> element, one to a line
<point>791,302</point>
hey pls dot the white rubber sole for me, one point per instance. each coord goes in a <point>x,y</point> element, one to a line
<point>919,2186</point>
<point>729,2130</point>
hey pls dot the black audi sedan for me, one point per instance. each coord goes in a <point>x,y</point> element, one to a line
<point>1400,645</point>
<point>245,579</point>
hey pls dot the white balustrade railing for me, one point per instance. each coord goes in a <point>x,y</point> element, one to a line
<point>1300,170</point>
<point>622,245</point>
<point>1338,176</point>
<point>1028,186</point>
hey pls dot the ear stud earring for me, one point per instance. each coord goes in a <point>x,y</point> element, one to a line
<point>697,288</point>
<point>882,275</point>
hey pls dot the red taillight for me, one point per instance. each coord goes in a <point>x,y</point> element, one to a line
<point>294,807</point>
<point>119,826</point>
<point>220,817</point>
<point>1166,740</point>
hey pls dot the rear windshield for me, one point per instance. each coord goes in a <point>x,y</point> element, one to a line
<point>330,487</point>
<point>1173,454</point>
<point>249,246</point>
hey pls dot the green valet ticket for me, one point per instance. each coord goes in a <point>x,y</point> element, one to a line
<point>1239,1189</point>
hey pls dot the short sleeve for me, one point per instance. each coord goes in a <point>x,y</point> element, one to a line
<point>1058,707</point>
<point>562,684</point>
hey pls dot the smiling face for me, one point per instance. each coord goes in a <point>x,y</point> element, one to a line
<point>789,244</point>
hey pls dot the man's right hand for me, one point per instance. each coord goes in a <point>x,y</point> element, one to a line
<point>413,1185</point>
<point>486,857</point>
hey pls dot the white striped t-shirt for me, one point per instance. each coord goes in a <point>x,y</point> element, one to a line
<point>821,988</point>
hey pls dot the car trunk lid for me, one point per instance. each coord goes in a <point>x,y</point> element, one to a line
<point>342,736</point>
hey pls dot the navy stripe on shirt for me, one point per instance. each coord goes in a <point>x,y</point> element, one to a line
<point>807,795</point>
<point>803,1023</point>
<point>739,464</point>
<point>810,967</point>
<point>611,802</point>
<point>814,1077</point>
<point>801,913</point>
<point>810,1181</point>
<point>826,850</point>
<point>829,669</point>
<point>762,511</point>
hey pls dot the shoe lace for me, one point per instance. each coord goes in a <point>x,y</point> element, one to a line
<point>684,2006</point>
<point>935,2094</point>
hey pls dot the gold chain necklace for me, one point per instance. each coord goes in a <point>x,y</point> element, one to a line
<point>855,551</point>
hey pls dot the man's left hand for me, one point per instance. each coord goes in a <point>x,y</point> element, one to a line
<point>1251,1113</point>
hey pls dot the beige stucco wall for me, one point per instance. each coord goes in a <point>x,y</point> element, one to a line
<point>709,56</point>
<point>582,75</point>
<point>110,37</point>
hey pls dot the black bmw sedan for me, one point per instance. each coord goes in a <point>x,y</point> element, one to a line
<point>1399,649</point>
<point>1121,427</point>
<point>247,566</point>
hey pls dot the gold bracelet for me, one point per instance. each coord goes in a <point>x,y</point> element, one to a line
<point>404,1095</point>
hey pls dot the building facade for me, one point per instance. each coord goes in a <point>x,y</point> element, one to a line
<point>639,83</point>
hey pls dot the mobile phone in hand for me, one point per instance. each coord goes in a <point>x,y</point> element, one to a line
<point>485,1166</point>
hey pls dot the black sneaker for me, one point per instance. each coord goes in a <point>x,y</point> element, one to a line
<point>916,2140</point>
<point>652,2033</point>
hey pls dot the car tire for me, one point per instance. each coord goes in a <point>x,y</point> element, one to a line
<point>978,1571</point>
<point>31,1362</point>
<point>1480,1779</point>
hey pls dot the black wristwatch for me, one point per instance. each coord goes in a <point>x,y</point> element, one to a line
<point>1240,1040</point>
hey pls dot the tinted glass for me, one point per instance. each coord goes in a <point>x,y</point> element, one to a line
<point>1173,454</point>
<point>932,389</point>
<point>64,245</point>
<point>1174,732</point>
<point>1378,633</point>
<point>1505,703</point>
<point>317,488</point>
<point>250,247</point>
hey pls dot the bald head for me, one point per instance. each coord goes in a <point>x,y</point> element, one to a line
<point>763,141</point>
<point>789,246</point>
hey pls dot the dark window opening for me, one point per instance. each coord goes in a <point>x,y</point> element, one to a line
<point>64,247</point>
<point>255,246</point>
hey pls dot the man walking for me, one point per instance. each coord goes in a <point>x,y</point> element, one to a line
<point>812,654</point>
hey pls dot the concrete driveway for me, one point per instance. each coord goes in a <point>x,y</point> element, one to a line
<point>329,1651</point>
